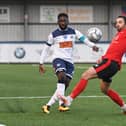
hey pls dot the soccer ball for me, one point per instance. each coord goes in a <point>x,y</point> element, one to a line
<point>94,34</point>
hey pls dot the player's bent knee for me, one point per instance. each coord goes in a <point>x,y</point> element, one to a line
<point>104,90</point>
<point>61,77</point>
<point>104,87</point>
<point>89,74</point>
<point>62,80</point>
<point>85,75</point>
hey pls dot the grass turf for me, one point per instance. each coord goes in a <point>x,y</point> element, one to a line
<point>25,80</point>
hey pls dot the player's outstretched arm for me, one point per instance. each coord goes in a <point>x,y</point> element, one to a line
<point>89,43</point>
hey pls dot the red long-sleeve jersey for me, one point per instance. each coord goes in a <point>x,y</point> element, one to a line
<point>117,47</point>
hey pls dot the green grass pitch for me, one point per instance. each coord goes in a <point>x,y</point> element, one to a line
<point>25,81</point>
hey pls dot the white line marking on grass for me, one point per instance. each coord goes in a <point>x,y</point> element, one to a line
<point>45,97</point>
<point>26,97</point>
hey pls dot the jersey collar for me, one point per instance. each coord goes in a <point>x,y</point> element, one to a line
<point>63,30</point>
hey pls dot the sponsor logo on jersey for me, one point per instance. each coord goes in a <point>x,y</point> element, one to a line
<point>66,44</point>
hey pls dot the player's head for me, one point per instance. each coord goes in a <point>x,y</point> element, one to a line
<point>120,23</point>
<point>63,20</point>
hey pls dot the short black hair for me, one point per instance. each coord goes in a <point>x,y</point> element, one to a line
<point>62,15</point>
<point>124,18</point>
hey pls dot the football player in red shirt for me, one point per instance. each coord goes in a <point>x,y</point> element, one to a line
<point>107,66</point>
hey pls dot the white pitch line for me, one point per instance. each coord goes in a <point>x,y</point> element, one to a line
<point>45,97</point>
<point>26,97</point>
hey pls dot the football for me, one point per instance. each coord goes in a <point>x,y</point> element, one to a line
<point>94,34</point>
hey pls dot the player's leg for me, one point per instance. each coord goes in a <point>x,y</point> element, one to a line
<point>112,94</point>
<point>67,83</point>
<point>62,80</point>
<point>99,70</point>
<point>106,75</point>
<point>68,76</point>
<point>69,73</point>
<point>80,86</point>
<point>93,72</point>
<point>61,103</point>
<point>52,100</point>
<point>59,67</point>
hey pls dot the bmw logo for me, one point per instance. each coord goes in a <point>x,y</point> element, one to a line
<point>19,53</point>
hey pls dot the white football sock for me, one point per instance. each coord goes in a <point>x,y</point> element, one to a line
<point>60,90</point>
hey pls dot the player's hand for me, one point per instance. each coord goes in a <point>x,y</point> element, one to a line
<point>41,69</point>
<point>99,60</point>
<point>95,48</point>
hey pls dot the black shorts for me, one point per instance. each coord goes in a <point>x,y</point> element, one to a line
<point>106,69</point>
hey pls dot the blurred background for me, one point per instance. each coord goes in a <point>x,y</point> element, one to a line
<point>25,25</point>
